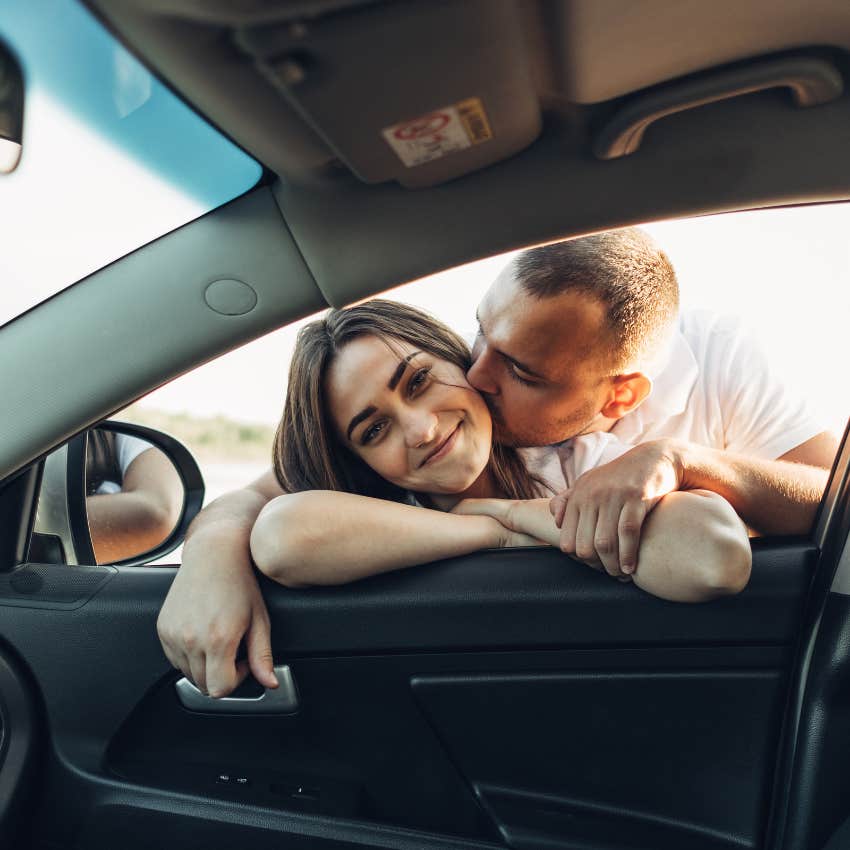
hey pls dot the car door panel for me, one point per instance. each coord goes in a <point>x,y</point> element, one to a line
<point>421,709</point>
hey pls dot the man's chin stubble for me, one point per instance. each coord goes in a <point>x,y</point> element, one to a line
<point>567,431</point>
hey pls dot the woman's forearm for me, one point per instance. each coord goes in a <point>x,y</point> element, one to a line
<point>693,546</point>
<point>327,537</point>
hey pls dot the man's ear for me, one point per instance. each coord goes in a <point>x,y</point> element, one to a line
<point>627,393</point>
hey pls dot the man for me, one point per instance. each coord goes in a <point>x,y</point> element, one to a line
<point>576,339</point>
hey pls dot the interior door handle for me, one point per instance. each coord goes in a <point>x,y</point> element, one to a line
<point>280,700</point>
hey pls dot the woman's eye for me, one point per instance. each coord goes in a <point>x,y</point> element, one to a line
<point>419,379</point>
<point>373,431</point>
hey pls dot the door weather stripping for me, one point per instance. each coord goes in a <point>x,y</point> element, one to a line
<point>837,484</point>
<point>280,700</point>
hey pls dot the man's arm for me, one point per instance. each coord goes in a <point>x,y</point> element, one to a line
<point>215,601</point>
<point>773,497</point>
<point>140,517</point>
<point>604,512</point>
<point>717,556</point>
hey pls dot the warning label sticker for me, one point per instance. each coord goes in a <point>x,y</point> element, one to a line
<point>439,133</point>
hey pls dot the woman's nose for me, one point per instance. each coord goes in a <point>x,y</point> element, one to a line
<point>420,428</point>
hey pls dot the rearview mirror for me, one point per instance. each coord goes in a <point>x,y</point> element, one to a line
<point>117,494</point>
<point>11,110</point>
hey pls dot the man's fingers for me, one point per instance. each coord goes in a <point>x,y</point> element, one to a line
<point>585,533</point>
<point>569,526</point>
<point>558,507</point>
<point>605,541</point>
<point>628,533</point>
<point>258,642</point>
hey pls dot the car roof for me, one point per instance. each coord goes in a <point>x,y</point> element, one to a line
<point>308,87</point>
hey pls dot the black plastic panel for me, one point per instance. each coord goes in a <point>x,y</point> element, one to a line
<point>681,758</point>
<point>818,800</point>
<point>363,748</point>
<point>535,598</point>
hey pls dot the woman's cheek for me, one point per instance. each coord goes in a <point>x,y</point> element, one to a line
<point>391,462</point>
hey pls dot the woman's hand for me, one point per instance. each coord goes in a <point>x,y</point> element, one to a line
<point>508,513</point>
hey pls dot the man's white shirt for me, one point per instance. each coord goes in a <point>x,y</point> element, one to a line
<point>714,387</point>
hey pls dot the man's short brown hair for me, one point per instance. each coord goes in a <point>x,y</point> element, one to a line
<point>624,270</point>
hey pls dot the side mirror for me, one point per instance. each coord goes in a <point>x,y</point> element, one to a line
<point>117,494</point>
<point>11,110</point>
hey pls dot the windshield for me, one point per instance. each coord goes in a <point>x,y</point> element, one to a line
<point>111,158</point>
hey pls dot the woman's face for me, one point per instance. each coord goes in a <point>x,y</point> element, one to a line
<point>412,417</point>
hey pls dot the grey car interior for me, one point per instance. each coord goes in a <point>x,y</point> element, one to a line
<point>505,699</point>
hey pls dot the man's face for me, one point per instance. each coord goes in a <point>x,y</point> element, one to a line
<point>541,363</point>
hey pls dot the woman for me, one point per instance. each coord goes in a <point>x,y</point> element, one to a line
<point>380,422</point>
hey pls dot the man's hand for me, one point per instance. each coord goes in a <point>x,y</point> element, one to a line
<point>601,516</point>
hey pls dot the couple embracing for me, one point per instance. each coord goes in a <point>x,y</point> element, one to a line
<point>589,415</point>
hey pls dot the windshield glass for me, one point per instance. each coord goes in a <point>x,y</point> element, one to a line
<point>111,158</point>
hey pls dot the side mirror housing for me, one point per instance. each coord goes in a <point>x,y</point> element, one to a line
<point>119,494</point>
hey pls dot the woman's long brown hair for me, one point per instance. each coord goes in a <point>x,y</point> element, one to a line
<point>308,453</point>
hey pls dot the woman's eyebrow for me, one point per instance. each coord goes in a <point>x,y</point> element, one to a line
<point>356,420</point>
<point>391,385</point>
<point>399,370</point>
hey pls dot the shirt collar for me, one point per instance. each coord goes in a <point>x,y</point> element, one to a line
<point>672,384</point>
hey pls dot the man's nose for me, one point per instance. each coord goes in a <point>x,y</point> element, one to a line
<point>420,428</point>
<point>480,373</point>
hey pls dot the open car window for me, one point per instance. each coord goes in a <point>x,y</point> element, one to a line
<point>781,273</point>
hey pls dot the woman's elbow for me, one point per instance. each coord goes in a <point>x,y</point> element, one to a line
<point>280,547</point>
<point>727,572</point>
<point>729,557</point>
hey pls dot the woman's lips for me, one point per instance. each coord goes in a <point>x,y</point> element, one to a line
<point>444,449</point>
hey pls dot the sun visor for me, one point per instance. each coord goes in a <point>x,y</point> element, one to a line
<point>416,92</point>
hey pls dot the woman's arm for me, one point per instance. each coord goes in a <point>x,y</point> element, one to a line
<point>328,537</point>
<point>694,547</point>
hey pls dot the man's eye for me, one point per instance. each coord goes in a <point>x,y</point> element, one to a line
<point>373,431</point>
<point>419,379</point>
<point>519,379</point>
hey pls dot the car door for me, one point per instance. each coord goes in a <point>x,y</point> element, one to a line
<point>505,698</point>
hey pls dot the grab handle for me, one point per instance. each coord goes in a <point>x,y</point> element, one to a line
<point>812,81</point>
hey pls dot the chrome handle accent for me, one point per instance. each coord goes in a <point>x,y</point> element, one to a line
<point>280,700</point>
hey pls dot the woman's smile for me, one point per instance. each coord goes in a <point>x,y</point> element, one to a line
<point>411,416</point>
<point>443,448</point>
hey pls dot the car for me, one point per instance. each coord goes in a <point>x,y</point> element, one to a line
<point>210,171</point>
